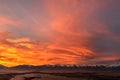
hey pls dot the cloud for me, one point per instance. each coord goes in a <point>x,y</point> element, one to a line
<point>109,61</point>
<point>85,26</point>
<point>57,31</point>
<point>100,43</point>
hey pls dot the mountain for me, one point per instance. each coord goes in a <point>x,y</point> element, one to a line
<point>2,67</point>
<point>23,67</point>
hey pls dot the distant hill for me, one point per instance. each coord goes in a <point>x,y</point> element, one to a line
<point>61,67</point>
<point>23,67</point>
<point>31,67</point>
<point>2,66</point>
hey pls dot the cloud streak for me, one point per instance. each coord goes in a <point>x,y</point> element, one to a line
<point>57,31</point>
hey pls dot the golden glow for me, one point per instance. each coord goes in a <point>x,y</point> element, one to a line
<point>23,51</point>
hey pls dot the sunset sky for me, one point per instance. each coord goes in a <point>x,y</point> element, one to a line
<point>38,32</point>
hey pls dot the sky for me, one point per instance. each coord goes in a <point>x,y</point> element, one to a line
<point>38,32</point>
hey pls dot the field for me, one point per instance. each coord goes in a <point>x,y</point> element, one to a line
<point>61,75</point>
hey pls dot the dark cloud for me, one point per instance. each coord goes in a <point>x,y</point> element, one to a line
<point>100,43</point>
<point>103,45</point>
<point>110,16</point>
<point>106,43</point>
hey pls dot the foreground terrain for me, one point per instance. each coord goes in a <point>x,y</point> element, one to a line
<point>26,72</point>
<point>62,75</point>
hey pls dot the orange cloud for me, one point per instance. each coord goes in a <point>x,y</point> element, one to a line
<point>57,31</point>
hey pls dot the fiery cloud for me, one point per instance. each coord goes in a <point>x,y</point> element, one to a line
<point>57,31</point>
